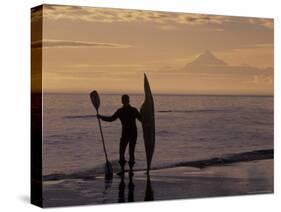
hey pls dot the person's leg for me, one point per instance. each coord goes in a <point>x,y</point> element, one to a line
<point>132,146</point>
<point>122,148</point>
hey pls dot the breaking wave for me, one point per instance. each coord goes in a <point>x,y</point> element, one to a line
<point>91,174</point>
<point>193,111</point>
<point>80,117</point>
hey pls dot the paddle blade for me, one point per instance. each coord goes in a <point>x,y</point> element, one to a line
<point>108,170</point>
<point>95,99</point>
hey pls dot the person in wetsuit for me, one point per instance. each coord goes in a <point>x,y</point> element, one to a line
<point>127,115</point>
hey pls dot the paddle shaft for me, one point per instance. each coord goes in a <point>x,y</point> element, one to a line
<point>102,138</point>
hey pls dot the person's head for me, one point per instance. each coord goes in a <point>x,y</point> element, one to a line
<point>125,99</point>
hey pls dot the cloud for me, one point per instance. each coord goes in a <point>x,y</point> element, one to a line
<point>161,65</point>
<point>74,44</point>
<point>268,23</point>
<point>255,47</point>
<point>115,65</point>
<point>263,79</point>
<point>110,15</point>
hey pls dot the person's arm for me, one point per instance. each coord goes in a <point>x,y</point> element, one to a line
<point>108,118</point>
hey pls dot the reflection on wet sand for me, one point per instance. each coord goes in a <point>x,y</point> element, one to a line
<point>107,186</point>
<point>149,194</point>
<point>253,177</point>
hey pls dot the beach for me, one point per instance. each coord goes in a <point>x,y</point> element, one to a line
<point>239,178</point>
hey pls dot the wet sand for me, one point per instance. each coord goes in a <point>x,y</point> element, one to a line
<point>241,178</point>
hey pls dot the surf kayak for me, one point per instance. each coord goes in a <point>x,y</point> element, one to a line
<point>148,123</point>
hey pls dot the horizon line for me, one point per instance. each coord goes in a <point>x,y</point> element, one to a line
<point>160,94</point>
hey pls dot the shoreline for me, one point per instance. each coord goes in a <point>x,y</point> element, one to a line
<point>241,178</point>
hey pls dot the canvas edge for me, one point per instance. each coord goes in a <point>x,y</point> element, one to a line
<point>36,107</point>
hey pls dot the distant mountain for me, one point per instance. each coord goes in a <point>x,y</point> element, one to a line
<point>208,63</point>
<point>206,59</point>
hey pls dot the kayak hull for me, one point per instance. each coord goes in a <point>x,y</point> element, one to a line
<point>148,123</point>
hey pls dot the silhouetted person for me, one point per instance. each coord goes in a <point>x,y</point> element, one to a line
<point>127,115</point>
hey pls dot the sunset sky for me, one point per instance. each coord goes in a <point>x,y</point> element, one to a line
<point>108,50</point>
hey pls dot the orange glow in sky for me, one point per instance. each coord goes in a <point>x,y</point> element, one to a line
<point>108,50</point>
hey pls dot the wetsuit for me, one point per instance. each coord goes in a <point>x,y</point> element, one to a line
<point>127,115</point>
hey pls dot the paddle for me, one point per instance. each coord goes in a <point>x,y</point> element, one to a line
<point>96,102</point>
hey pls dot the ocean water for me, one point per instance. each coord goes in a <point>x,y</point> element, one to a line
<point>187,128</point>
